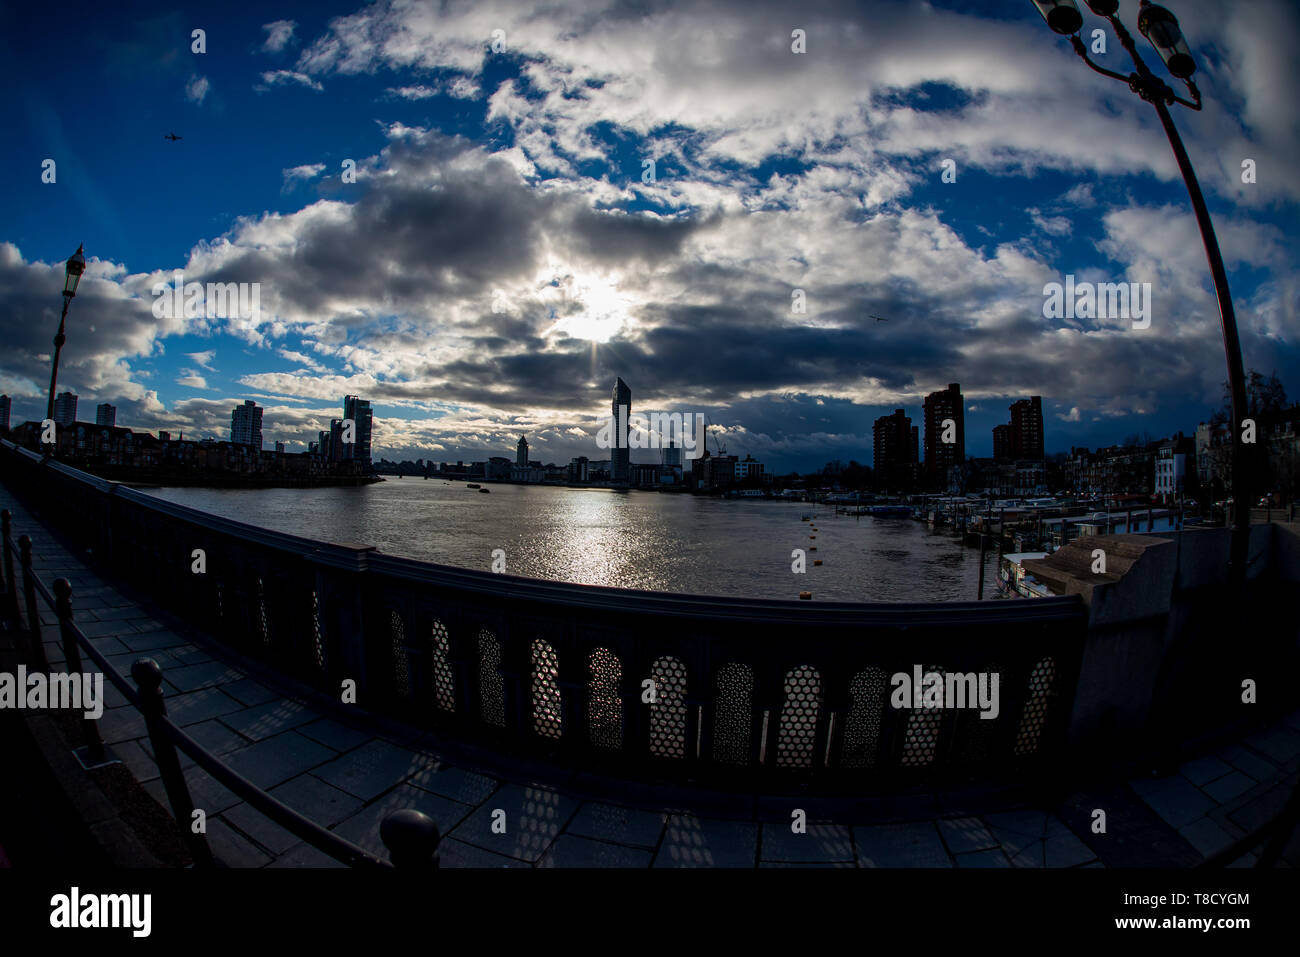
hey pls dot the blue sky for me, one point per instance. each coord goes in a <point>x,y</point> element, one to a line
<point>499,259</point>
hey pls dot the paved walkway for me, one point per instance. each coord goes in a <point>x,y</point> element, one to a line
<point>347,772</point>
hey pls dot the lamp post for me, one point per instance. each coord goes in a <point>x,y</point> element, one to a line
<point>1160,27</point>
<point>72,271</point>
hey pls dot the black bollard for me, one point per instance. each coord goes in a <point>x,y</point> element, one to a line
<point>29,595</point>
<point>411,838</point>
<point>148,678</point>
<point>63,607</point>
<point>10,610</point>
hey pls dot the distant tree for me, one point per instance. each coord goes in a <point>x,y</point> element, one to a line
<point>1262,396</point>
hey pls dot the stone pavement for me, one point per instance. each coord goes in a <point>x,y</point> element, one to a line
<point>347,771</point>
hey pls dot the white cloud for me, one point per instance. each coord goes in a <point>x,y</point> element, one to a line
<point>197,88</point>
<point>278,35</point>
<point>282,77</point>
<point>419,92</point>
<point>301,173</point>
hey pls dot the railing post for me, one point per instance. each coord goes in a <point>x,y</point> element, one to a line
<point>72,654</point>
<point>11,590</point>
<point>411,838</point>
<point>148,678</point>
<point>29,595</point>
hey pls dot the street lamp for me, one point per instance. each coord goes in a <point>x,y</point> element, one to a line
<point>72,271</point>
<point>1160,27</point>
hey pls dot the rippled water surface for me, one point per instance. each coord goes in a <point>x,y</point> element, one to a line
<point>670,543</point>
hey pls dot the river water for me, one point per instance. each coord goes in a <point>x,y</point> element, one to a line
<point>659,542</point>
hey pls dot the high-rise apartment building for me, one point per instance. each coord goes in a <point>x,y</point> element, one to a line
<point>940,456</point>
<point>105,414</point>
<point>896,450</point>
<point>246,424</point>
<point>1027,428</point>
<point>65,408</point>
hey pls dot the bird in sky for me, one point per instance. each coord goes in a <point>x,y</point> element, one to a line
<point>173,137</point>
<point>880,318</point>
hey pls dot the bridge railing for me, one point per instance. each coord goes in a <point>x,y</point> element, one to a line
<point>411,836</point>
<point>729,692</point>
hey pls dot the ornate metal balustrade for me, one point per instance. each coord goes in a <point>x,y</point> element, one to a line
<point>728,692</point>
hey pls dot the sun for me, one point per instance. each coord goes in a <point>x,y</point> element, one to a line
<point>588,305</point>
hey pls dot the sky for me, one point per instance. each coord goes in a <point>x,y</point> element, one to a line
<point>478,214</point>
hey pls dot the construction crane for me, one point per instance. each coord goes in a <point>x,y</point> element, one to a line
<point>722,449</point>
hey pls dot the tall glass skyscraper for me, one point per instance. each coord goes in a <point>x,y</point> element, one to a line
<point>359,411</point>
<point>620,466</point>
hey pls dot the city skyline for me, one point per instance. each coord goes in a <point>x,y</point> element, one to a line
<point>738,274</point>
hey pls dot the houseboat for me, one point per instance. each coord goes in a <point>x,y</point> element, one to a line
<point>1014,579</point>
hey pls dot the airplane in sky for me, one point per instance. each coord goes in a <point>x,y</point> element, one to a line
<point>172,136</point>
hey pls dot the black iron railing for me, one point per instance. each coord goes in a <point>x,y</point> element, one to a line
<point>410,836</point>
<point>730,692</point>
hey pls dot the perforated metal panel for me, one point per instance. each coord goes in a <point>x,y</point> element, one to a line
<point>862,724</point>
<point>318,643</point>
<point>797,731</point>
<point>401,664</point>
<point>605,707</point>
<point>262,624</point>
<point>668,710</point>
<point>1034,719</point>
<point>492,700</point>
<point>547,713</point>
<point>733,714</point>
<point>443,683</point>
<point>921,739</point>
<point>979,734</point>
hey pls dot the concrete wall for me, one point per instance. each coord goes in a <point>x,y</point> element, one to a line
<point>1162,619</point>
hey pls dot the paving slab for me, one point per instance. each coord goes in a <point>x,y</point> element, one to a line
<point>269,835</point>
<point>1280,744</point>
<point>1204,770</point>
<point>1175,799</point>
<point>459,784</point>
<point>901,845</point>
<point>232,848</point>
<point>691,841</point>
<point>372,769</point>
<point>1249,762</point>
<point>993,857</point>
<point>820,842</point>
<point>266,720</point>
<point>1206,836</point>
<point>249,692</point>
<point>327,731</point>
<point>274,760</point>
<point>533,819</point>
<point>1231,785</point>
<point>569,850</point>
<point>620,825</point>
<point>966,834</point>
<point>454,853</point>
<point>305,855</point>
<point>316,800</point>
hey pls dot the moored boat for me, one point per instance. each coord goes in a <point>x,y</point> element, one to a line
<point>1014,579</point>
